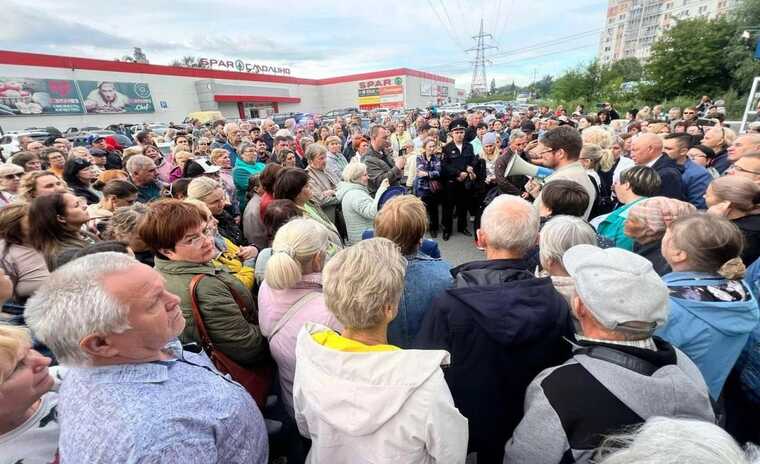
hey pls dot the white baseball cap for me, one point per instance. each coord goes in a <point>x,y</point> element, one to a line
<point>620,288</point>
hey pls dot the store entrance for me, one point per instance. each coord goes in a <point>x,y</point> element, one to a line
<point>259,110</point>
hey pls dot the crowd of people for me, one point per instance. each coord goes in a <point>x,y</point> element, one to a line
<point>265,294</point>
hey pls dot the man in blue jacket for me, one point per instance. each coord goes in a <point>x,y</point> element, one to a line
<point>694,177</point>
<point>501,325</point>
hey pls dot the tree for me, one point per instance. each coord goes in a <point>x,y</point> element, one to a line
<point>137,57</point>
<point>493,86</point>
<point>543,87</point>
<point>689,60</point>
<point>187,62</point>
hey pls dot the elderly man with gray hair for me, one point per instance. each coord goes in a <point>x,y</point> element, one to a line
<point>131,393</point>
<point>501,325</point>
<point>144,175</point>
<point>619,375</point>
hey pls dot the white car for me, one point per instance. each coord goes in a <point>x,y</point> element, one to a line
<point>10,144</point>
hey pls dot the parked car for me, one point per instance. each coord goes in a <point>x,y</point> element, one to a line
<point>10,144</point>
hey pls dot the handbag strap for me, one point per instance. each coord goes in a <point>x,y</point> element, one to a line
<point>294,308</point>
<point>202,332</point>
<point>206,344</point>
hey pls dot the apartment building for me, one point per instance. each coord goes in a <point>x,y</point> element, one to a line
<point>632,26</point>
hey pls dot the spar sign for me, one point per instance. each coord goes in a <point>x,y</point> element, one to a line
<point>381,93</point>
<point>241,66</point>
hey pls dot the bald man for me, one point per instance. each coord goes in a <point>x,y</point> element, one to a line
<point>646,150</point>
<point>747,143</point>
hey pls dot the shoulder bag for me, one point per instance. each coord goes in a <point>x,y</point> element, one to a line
<point>257,380</point>
<point>294,308</point>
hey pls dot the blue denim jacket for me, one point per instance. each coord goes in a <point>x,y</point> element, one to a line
<point>425,279</point>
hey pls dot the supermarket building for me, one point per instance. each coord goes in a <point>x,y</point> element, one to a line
<point>48,90</point>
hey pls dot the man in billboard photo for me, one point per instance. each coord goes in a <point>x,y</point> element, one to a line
<point>106,99</point>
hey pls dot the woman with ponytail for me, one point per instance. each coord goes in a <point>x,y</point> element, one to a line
<point>712,310</point>
<point>291,294</point>
<point>738,199</point>
<point>606,165</point>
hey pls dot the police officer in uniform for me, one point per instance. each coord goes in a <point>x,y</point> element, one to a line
<point>458,172</point>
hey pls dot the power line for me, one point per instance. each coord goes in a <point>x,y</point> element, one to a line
<point>549,43</point>
<point>479,83</point>
<point>448,18</point>
<point>443,23</point>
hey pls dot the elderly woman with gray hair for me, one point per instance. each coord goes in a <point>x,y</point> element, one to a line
<point>392,405</point>
<point>359,208</point>
<point>321,183</point>
<point>665,440</point>
<point>557,236</point>
<point>646,224</point>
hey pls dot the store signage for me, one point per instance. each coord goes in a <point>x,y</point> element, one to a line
<point>381,93</point>
<point>380,83</point>
<point>241,66</point>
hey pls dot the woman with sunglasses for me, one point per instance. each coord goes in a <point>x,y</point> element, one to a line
<point>202,147</point>
<point>703,155</point>
<point>10,179</point>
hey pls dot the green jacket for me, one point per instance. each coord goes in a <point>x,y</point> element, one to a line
<point>229,331</point>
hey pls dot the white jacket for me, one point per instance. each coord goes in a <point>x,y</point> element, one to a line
<point>375,407</point>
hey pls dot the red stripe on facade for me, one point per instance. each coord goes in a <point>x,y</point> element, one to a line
<point>69,62</point>
<point>255,99</point>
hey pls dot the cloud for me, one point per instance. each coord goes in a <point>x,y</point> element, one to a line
<point>315,39</point>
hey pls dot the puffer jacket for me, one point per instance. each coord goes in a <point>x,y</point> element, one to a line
<point>359,208</point>
<point>232,334</point>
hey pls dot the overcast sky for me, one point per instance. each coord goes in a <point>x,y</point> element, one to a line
<point>322,38</point>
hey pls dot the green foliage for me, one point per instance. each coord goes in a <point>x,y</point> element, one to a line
<point>690,59</point>
<point>695,57</point>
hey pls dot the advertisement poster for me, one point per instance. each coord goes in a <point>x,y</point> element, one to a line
<point>381,93</point>
<point>426,89</point>
<point>26,96</point>
<point>116,97</point>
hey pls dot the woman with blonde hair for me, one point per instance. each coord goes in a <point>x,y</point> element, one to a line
<point>610,163</point>
<point>39,183</point>
<point>291,294</point>
<point>738,199</point>
<point>719,138</point>
<point>712,310</point>
<point>29,429</point>
<point>359,398</point>
<point>180,160</point>
<point>221,157</point>
<point>359,207</point>
<point>646,224</point>
<point>211,192</point>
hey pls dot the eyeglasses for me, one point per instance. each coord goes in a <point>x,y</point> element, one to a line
<point>548,150</point>
<point>208,231</point>
<point>12,176</point>
<point>688,112</point>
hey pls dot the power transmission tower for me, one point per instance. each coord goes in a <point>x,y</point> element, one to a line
<point>479,84</point>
